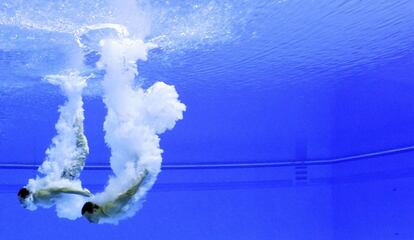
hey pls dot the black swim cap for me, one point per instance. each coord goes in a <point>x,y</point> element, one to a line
<point>23,193</point>
<point>88,207</point>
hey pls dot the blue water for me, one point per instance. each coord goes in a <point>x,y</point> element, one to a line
<point>293,86</point>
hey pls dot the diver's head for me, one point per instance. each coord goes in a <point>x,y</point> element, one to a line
<point>90,210</point>
<point>25,197</point>
<point>23,193</point>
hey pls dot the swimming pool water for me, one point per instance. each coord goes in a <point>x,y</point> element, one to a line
<point>278,95</point>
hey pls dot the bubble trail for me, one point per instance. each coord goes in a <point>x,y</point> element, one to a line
<point>135,117</point>
<point>65,158</point>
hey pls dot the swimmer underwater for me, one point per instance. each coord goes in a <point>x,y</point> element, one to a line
<point>110,209</point>
<point>47,196</point>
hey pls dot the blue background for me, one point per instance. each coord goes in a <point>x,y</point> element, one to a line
<point>292,82</point>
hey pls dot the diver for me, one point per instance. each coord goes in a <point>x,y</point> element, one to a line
<point>47,196</point>
<point>110,209</point>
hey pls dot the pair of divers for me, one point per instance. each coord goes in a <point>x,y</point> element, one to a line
<point>91,211</point>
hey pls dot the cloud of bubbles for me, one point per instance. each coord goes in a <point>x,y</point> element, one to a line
<point>66,156</point>
<point>135,118</point>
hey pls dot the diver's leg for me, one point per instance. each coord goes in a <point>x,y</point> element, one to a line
<point>82,151</point>
<point>124,198</point>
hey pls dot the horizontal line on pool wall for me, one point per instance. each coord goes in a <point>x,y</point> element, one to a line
<point>224,165</point>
